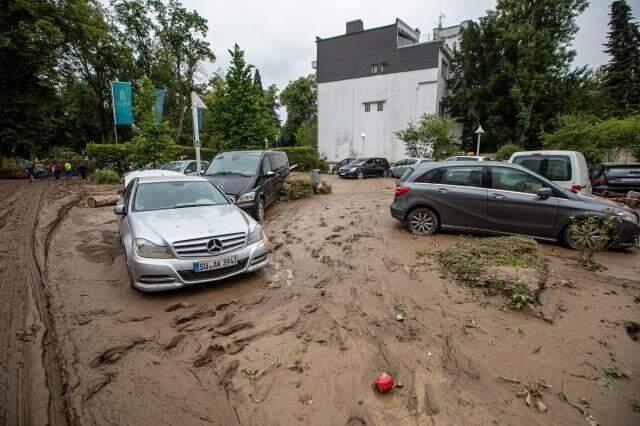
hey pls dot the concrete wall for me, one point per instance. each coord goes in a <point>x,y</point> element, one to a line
<point>342,117</point>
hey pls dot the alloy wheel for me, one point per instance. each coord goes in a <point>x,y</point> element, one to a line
<point>360,175</point>
<point>422,223</point>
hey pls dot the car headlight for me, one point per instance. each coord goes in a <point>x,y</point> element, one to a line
<point>353,169</point>
<point>628,216</point>
<point>255,236</point>
<point>249,196</point>
<point>146,248</point>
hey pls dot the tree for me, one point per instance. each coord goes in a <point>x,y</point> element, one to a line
<point>181,37</point>
<point>273,103</point>
<point>622,73</point>
<point>30,36</point>
<point>300,100</point>
<point>152,142</point>
<point>512,73</point>
<point>307,133</point>
<point>432,137</point>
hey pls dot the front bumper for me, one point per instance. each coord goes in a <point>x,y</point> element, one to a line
<point>152,275</point>
<point>346,173</point>
<point>626,235</point>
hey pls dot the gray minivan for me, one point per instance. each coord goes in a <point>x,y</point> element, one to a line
<point>499,198</point>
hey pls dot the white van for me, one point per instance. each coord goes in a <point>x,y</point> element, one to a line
<point>566,168</point>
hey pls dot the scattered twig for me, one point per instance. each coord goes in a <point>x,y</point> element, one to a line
<point>509,379</point>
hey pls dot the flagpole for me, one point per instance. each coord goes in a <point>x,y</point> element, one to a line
<point>113,108</point>
<point>196,132</point>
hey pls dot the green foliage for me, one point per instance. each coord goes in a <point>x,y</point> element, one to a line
<point>512,73</point>
<point>622,73</point>
<point>105,176</point>
<point>300,100</point>
<point>432,137</point>
<point>153,142</point>
<point>63,153</point>
<point>591,235</point>
<point>111,153</point>
<point>610,375</point>
<point>307,133</point>
<point>297,188</point>
<point>599,140</point>
<point>305,157</point>
<point>505,151</point>
<point>189,152</point>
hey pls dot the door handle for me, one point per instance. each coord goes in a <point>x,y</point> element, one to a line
<point>499,196</point>
<point>443,190</point>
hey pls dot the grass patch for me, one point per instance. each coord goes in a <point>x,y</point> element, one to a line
<point>105,176</point>
<point>468,263</point>
<point>608,379</point>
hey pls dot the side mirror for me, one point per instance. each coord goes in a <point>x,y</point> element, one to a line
<point>544,193</point>
<point>270,173</point>
<point>188,171</point>
<point>120,209</point>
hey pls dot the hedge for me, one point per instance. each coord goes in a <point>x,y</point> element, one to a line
<point>206,154</point>
<point>102,153</point>
<point>305,157</point>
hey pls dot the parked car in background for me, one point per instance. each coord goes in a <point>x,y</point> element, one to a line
<point>365,167</point>
<point>182,230</point>
<point>187,167</point>
<point>251,179</point>
<point>568,169</point>
<point>336,167</point>
<point>398,169</point>
<point>468,158</point>
<point>500,198</point>
<point>609,179</point>
<point>128,177</point>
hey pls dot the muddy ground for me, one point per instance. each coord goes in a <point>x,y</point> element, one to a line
<point>303,340</point>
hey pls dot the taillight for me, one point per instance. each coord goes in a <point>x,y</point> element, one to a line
<point>401,190</point>
<point>576,187</point>
<point>601,180</point>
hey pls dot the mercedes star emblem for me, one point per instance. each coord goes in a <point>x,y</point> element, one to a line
<point>214,246</point>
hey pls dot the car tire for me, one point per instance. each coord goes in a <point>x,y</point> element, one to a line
<point>388,173</point>
<point>570,242</point>
<point>334,171</point>
<point>422,221</point>
<point>259,213</point>
<point>360,174</point>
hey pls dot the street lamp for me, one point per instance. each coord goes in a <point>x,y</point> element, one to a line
<point>479,132</point>
<point>363,136</point>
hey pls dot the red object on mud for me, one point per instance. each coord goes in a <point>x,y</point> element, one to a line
<point>384,382</point>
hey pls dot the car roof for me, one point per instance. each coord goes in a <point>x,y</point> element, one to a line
<point>620,163</point>
<point>177,178</point>
<point>545,152</point>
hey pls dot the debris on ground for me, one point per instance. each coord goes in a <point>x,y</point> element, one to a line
<point>611,374</point>
<point>296,188</point>
<point>510,266</point>
<point>384,382</point>
<point>532,394</point>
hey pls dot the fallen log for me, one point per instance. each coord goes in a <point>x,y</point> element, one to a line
<point>102,200</point>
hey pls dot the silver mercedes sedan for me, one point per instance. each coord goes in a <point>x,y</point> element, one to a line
<point>182,230</point>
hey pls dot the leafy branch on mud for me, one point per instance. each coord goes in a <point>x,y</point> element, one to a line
<point>510,266</point>
<point>532,394</point>
<point>591,235</point>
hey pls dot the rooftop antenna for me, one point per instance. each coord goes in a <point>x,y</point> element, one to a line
<point>440,16</point>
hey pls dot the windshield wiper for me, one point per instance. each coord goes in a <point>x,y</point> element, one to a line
<point>227,173</point>
<point>182,206</point>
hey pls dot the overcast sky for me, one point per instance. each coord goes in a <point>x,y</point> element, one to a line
<point>278,36</point>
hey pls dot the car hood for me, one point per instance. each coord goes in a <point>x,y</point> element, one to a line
<point>601,204</point>
<point>232,185</point>
<point>165,227</point>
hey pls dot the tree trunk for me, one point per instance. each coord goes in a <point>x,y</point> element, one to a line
<point>102,200</point>
<point>181,109</point>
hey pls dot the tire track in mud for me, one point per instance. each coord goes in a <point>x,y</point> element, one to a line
<point>29,359</point>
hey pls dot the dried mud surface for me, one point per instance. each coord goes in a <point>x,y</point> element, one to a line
<point>303,340</point>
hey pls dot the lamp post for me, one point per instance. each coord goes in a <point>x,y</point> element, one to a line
<point>479,132</point>
<point>363,136</point>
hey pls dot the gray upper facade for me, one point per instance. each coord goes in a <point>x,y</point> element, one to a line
<point>393,48</point>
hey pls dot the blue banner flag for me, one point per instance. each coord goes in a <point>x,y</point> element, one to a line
<point>200,118</point>
<point>122,103</point>
<point>159,106</point>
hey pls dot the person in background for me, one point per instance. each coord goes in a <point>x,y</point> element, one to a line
<point>82,171</point>
<point>30,172</point>
<point>39,170</point>
<point>55,169</point>
<point>68,172</point>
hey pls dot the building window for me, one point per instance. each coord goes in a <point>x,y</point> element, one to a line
<point>444,70</point>
<point>380,106</point>
<point>367,107</point>
<point>382,65</point>
<point>374,68</point>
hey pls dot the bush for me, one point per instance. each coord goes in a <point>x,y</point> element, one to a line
<point>62,153</point>
<point>505,151</point>
<point>297,188</point>
<point>106,176</point>
<point>305,157</point>
<point>206,154</point>
<point>111,153</point>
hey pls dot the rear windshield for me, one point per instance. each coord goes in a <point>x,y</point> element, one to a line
<point>553,167</point>
<point>175,166</point>
<point>623,170</point>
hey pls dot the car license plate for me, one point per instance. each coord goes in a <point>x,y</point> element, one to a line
<point>208,265</point>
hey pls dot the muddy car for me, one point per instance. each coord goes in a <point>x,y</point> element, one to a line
<point>503,199</point>
<point>182,230</point>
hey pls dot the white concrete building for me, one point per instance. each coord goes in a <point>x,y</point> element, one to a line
<point>374,82</point>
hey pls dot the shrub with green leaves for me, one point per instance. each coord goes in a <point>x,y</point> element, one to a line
<point>105,176</point>
<point>305,157</point>
<point>505,151</point>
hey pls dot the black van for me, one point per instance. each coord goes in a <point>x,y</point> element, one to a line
<point>252,179</point>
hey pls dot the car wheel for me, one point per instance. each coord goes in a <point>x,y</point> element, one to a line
<point>422,221</point>
<point>334,171</point>
<point>571,238</point>
<point>388,173</point>
<point>359,174</point>
<point>260,210</point>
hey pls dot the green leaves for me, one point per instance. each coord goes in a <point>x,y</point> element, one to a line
<point>432,137</point>
<point>300,100</point>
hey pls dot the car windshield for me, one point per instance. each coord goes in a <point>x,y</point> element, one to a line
<point>359,161</point>
<point>175,195</point>
<point>553,167</point>
<point>175,166</point>
<point>234,164</point>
